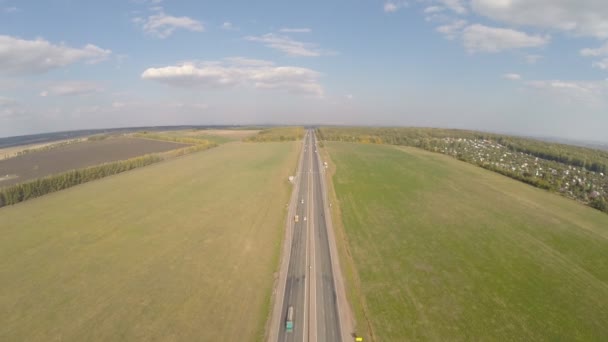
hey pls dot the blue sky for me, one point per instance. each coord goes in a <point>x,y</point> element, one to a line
<point>534,67</point>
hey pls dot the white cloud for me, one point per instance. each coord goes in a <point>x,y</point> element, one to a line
<point>457,6</point>
<point>433,9</point>
<point>602,64</point>
<point>592,93</point>
<point>390,7</point>
<point>71,88</point>
<point>480,38</point>
<point>512,77</point>
<point>452,30</point>
<point>581,17</point>
<point>238,72</point>
<point>228,26</point>
<point>147,2</point>
<point>162,25</point>
<point>295,30</point>
<point>394,6</point>
<point>600,51</point>
<point>19,56</point>
<point>287,45</point>
<point>532,59</point>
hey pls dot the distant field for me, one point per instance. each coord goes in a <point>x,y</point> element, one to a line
<point>39,164</point>
<point>444,250</point>
<point>182,250</point>
<point>218,136</point>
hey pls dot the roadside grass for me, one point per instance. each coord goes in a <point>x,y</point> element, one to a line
<point>181,250</point>
<point>444,250</point>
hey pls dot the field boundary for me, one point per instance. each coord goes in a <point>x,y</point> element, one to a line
<point>354,296</point>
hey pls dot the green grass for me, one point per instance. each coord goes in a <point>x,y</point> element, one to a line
<point>181,250</point>
<point>444,250</point>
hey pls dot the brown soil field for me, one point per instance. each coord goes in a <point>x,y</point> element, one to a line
<point>40,164</point>
<point>9,152</point>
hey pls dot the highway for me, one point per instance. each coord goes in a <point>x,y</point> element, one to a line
<point>309,286</point>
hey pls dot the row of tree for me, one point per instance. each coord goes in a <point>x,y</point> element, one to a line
<point>278,134</point>
<point>36,188</point>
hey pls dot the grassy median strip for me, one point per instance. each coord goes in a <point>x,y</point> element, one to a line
<point>180,250</point>
<point>449,251</point>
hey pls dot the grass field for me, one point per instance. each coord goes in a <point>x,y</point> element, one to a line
<point>444,250</point>
<point>181,250</point>
<point>78,155</point>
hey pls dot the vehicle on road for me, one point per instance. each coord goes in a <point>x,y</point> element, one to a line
<point>302,201</point>
<point>296,218</point>
<point>289,320</point>
<point>304,218</point>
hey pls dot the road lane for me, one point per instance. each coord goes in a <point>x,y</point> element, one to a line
<point>309,286</point>
<point>328,324</point>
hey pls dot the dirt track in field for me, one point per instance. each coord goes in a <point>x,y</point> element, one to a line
<point>40,164</point>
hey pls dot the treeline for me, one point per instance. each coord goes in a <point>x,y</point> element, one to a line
<point>590,159</point>
<point>36,188</point>
<point>171,138</point>
<point>278,134</point>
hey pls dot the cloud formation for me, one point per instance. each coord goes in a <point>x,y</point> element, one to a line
<point>591,93</point>
<point>287,45</point>
<point>71,88</point>
<point>481,38</point>
<point>581,17</point>
<point>19,56</point>
<point>601,51</point>
<point>238,71</point>
<point>162,25</point>
<point>295,30</point>
<point>228,26</point>
<point>512,77</point>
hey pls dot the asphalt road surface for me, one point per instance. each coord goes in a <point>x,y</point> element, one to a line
<point>310,288</point>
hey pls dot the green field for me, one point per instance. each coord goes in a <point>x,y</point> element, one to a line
<point>181,250</point>
<point>443,250</point>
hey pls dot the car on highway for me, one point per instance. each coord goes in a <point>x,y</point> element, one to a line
<point>289,320</point>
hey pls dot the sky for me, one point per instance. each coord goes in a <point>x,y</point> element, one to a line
<point>527,67</point>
